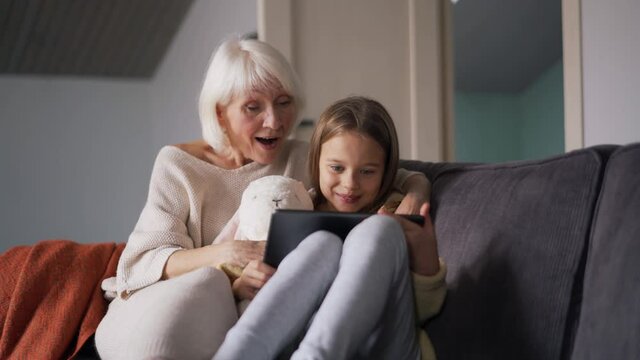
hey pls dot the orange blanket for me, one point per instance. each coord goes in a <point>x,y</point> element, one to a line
<point>50,297</point>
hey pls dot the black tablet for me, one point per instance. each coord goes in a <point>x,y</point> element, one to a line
<point>289,227</point>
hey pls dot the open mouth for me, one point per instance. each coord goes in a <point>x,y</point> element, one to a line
<point>267,141</point>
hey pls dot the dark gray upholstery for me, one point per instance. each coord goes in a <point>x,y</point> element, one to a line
<point>609,326</point>
<point>513,237</point>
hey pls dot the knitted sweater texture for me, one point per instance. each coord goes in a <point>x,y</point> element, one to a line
<point>189,203</point>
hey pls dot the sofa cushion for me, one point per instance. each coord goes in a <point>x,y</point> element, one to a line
<point>513,236</point>
<point>609,326</point>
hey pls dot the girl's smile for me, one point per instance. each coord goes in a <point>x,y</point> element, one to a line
<point>351,171</point>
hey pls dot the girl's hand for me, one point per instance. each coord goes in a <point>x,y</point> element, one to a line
<point>253,278</point>
<point>422,244</point>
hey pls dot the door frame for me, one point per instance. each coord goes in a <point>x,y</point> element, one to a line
<point>573,74</point>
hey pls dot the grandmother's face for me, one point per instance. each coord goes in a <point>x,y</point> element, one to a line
<point>257,123</point>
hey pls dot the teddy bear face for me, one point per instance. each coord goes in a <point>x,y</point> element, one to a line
<point>262,197</point>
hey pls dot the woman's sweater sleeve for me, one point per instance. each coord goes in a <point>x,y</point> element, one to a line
<point>429,292</point>
<point>401,177</point>
<point>161,228</point>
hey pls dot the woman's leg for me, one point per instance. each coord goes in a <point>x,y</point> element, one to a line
<point>283,307</point>
<point>185,317</point>
<point>368,312</point>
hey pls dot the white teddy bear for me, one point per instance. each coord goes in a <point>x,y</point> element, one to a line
<point>251,221</point>
<point>261,199</point>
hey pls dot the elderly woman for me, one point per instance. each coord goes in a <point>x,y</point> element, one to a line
<point>169,298</point>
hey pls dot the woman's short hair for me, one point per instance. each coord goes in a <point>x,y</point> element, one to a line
<point>364,116</point>
<point>238,66</point>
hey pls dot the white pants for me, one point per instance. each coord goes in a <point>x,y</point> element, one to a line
<point>185,317</point>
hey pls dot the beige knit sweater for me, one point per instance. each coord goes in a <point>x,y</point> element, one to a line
<point>189,202</point>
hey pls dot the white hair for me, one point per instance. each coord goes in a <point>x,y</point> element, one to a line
<point>238,66</point>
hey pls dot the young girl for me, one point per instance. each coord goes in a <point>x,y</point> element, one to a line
<point>354,299</point>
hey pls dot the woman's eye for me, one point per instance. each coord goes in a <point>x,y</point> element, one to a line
<point>284,101</point>
<point>367,171</point>
<point>252,107</point>
<point>335,168</point>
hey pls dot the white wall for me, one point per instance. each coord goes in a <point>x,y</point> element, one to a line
<point>76,154</point>
<point>611,73</point>
<point>76,158</point>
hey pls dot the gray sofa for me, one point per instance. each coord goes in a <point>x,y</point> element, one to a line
<point>543,256</point>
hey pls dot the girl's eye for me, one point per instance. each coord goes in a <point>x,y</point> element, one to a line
<point>335,168</point>
<point>367,171</point>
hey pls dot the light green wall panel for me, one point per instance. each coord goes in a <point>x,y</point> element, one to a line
<point>497,127</point>
<point>485,130</point>
<point>543,115</point>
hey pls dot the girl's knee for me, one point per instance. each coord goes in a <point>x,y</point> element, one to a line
<point>318,252</point>
<point>380,234</point>
<point>384,223</point>
<point>379,226</point>
<point>323,244</point>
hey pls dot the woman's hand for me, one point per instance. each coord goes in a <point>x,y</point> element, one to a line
<point>411,203</point>
<point>253,278</point>
<point>417,189</point>
<point>422,244</point>
<point>236,252</point>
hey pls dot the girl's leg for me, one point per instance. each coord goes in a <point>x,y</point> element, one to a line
<point>185,317</point>
<point>283,307</point>
<point>369,310</point>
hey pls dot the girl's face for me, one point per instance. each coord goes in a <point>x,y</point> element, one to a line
<point>257,124</point>
<point>351,171</point>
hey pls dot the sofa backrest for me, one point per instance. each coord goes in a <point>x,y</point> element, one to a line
<point>514,238</point>
<point>609,325</point>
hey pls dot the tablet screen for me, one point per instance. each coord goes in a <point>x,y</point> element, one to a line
<point>289,227</point>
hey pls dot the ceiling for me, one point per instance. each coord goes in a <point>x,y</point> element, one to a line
<point>503,45</point>
<point>499,45</point>
<point>110,38</point>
